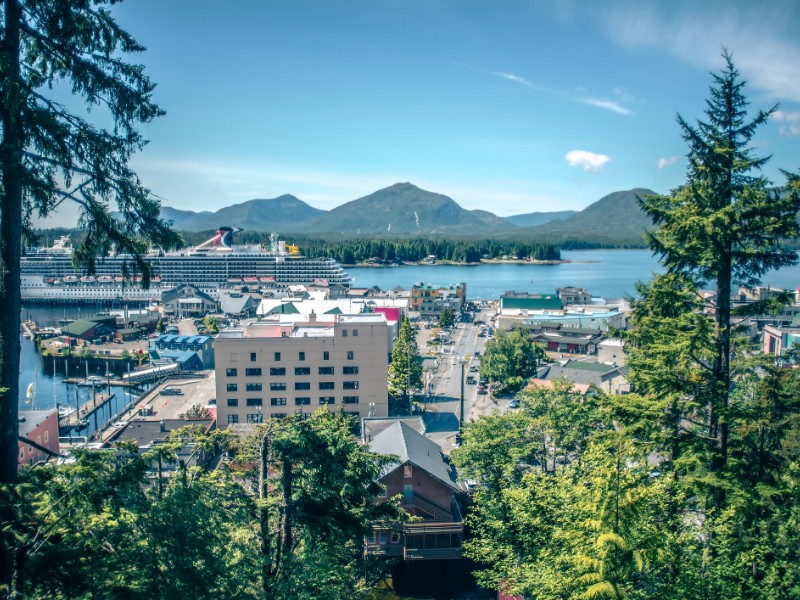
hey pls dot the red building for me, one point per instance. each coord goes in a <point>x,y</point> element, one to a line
<point>40,426</point>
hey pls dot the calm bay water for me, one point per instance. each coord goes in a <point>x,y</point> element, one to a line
<point>604,273</point>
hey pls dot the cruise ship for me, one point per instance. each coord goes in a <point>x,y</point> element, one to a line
<point>48,275</point>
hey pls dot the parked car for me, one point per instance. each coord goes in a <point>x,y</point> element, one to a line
<point>471,379</point>
<point>514,403</point>
<point>481,389</point>
<point>171,391</point>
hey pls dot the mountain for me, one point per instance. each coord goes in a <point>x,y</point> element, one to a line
<point>404,208</point>
<point>615,219</point>
<point>284,214</point>
<point>539,218</point>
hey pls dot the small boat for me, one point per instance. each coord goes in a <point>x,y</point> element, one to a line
<point>105,279</point>
<point>71,279</point>
<point>93,381</point>
<point>29,393</point>
<point>82,424</point>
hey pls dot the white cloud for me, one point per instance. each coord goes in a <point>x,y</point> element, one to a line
<point>759,38</point>
<point>667,162</point>
<point>588,161</point>
<point>790,122</point>
<point>608,105</point>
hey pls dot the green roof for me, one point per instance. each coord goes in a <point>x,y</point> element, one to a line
<point>79,327</point>
<point>546,302</point>
<point>588,366</point>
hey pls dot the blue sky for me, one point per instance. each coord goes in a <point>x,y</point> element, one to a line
<point>510,106</point>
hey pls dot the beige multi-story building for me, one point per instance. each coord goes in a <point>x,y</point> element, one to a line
<point>269,369</point>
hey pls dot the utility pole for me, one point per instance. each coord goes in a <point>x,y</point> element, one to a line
<point>461,419</point>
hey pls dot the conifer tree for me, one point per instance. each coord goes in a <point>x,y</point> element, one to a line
<point>405,370</point>
<point>725,225</point>
<point>49,154</point>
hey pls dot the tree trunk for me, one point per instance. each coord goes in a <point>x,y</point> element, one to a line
<point>288,512</point>
<point>263,518</point>
<point>722,368</point>
<point>10,241</point>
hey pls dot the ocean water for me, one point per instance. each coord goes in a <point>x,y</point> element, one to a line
<point>604,273</point>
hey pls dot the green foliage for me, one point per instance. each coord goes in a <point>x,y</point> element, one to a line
<point>510,358</point>
<point>101,528</point>
<point>211,323</point>
<point>405,370</point>
<point>447,318</point>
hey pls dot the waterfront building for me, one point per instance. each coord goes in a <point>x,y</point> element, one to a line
<point>429,299</point>
<point>298,365</point>
<point>187,301</point>
<point>176,347</point>
<point>40,426</point>
<point>519,302</point>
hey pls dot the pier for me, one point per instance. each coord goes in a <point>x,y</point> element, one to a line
<point>84,413</point>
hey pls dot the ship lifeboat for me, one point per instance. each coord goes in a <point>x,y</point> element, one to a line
<point>105,279</point>
<point>71,279</point>
<point>50,281</point>
<point>251,279</point>
<point>155,279</point>
<point>119,278</point>
<point>267,279</point>
<point>234,280</point>
<point>88,279</point>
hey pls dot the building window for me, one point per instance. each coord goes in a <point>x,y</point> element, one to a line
<point>350,400</point>
<point>350,355</point>
<point>230,372</point>
<point>327,385</point>
<point>301,356</point>
<point>233,419</point>
<point>255,372</point>
<point>277,357</point>
<point>255,418</point>
<point>277,371</point>
<point>302,370</point>
<point>327,400</point>
<point>277,386</point>
<point>383,493</point>
<point>350,385</point>
<point>232,387</point>
<point>302,385</point>
<point>233,402</point>
<point>302,401</point>
<point>344,332</point>
<point>254,402</point>
<point>46,436</point>
<point>252,387</point>
<point>350,370</point>
<point>277,401</point>
<point>278,415</point>
<point>326,370</point>
<point>355,332</point>
<point>252,357</point>
<point>326,355</point>
<point>382,537</point>
<point>407,471</point>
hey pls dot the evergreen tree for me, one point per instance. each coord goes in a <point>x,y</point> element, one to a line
<point>725,225</point>
<point>48,154</point>
<point>405,370</point>
<point>447,318</point>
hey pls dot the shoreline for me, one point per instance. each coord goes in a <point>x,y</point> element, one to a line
<point>449,263</point>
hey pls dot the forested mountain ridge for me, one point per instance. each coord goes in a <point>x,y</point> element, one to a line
<point>404,209</point>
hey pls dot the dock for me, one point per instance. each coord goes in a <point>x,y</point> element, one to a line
<point>86,411</point>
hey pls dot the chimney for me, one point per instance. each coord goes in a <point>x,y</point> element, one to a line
<point>162,425</point>
<point>312,318</point>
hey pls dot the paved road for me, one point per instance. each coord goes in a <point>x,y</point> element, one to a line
<point>443,410</point>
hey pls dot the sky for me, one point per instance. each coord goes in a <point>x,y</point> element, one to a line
<point>510,106</point>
